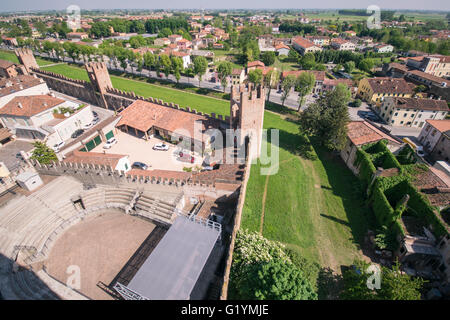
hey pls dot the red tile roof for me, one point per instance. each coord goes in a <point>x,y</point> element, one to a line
<point>30,105</point>
<point>304,43</point>
<point>421,104</point>
<point>21,82</point>
<point>143,115</point>
<point>362,132</point>
<point>389,85</point>
<point>97,158</point>
<point>440,125</point>
<point>320,75</point>
<point>256,63</point>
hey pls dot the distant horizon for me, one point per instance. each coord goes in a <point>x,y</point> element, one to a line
<point>52,5</point>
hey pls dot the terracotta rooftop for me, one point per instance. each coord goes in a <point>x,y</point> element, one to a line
<point>256,63</point>
<point>21,82</point>
<point>440,125</point>
<point>429,77</point>
<point>304,43</point>
<point>4,134</point>
<point>5,64</point>
<point>29,106</point>
<point>97,158</point>
<point>389,85</point>
<point>362,132</point>
<point>421,104</point>
<point>281,46</point>
<point>143,115</point>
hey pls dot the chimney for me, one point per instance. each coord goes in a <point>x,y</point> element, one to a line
<point>20,105</point>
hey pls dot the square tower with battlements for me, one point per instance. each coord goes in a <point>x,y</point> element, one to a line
<point>26,57</point>
<point>247,115</point>
<point>99,76</point>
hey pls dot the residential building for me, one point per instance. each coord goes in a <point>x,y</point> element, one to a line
<point>383,48</point>
<point>77,35</point>
<point>411,112</point>
<point>330,84</point>
<point>319,40</point>
<point>319,75</point>
<point>38,117</point>
<point>184,56</point>
<point>184,44</point>
<point>237,76</point>
<point>161,42</point>
<point>436,65</point>
<point>304,46</point>
<point>360,133</point>
<point>174,38</point>
<point>342,45</point>
<point>21,85</point>
<point>374,90</point>
<point>282,49</point>
<point>435,138</point>
<point>427,79</point>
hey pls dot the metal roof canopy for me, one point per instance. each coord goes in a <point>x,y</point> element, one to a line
<point>172,269</point>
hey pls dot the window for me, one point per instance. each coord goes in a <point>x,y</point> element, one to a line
<point>396,114</point>
<point>405,114</point>
<point>433,133</point>
<point>392,121</point>
<point>401,122</point>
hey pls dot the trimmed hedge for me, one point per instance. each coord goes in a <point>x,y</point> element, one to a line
<point>366,169</point>
<point>383,210</point>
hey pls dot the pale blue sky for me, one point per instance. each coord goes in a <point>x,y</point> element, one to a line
<point>8,5</point>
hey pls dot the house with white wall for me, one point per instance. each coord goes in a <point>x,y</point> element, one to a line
<point>21,85</point>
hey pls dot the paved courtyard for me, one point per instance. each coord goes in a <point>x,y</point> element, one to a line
<point>141,150</point>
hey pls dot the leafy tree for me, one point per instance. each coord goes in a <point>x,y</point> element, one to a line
<point>177,66</point>
<point>286,85</point>
<point>43,154</point>
<point>394,284</point>
<point>308,61</point>
<point>200,66</point>
<point>149,60</point>
<point>224,70</point>
<point>327,118</point>
<point>349,66</point>
<point>255,76</point>
<point>366,65</point>
<point>268,58</point>
<point>275,280</point>
<point>166,64</point>
<point>271,78</point>
<point>304,84</point>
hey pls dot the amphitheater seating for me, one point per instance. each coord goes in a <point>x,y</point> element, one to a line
<point>30,226</point>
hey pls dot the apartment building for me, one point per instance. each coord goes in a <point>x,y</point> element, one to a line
<point>374,90</point>
<point>435,138</point>
<point>412,112</point>
<point>304,46</point>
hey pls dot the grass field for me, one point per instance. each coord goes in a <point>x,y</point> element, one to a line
<point>195,101</point>
<point>312,206</point>
<point>5,55</point>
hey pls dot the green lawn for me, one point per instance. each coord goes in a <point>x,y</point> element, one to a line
<point>310,205</point>
<point>10,56</point>
<point>195,101</point>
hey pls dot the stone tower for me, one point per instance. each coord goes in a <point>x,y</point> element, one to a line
<point>99,76</point>
<point>100,80</point>
<point>26,58</point>
<point>247,115</point>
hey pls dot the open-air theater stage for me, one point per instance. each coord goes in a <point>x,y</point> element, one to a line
<point>172,269</point>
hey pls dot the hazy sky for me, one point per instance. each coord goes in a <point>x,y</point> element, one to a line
<point>14,5</point>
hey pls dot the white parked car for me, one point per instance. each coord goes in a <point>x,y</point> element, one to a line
<point>161,146</point>
<point>88,126</point>
<point>58,146</point>
<point>95,121</point>
<point>109,143</point>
